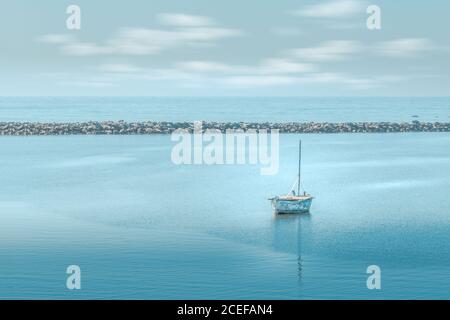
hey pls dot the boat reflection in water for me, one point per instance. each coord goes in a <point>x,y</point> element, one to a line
<point>288,233</point>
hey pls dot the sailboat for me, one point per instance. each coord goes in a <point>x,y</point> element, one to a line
<point>293,202</point>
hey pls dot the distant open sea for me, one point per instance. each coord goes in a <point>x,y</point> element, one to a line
<point>141,227</point>
<point>262,109</point>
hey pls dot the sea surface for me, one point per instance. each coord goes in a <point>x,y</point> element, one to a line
<point>140,226</point>
<point>251,109</point>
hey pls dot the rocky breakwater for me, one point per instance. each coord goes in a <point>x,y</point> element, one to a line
<point>149,127</point>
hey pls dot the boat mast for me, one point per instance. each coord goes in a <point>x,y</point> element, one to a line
<point>299,165</point>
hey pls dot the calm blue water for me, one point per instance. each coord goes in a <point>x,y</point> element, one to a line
<point>141,227</point>
<point>224,109</point>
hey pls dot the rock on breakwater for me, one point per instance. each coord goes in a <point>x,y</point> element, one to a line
<point>149,127</point>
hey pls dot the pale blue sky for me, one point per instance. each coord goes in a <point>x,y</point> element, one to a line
<point>203,47</point>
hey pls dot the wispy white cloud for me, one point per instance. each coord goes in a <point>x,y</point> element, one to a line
<point>56,38</point>
<point>328,51</point>
<point>267,66</point>
<point>142,41</point>
<point>119,68</point>
<point>257,81</point>
<point>278,65</point>
<point>201,75</point>
<point>184,20</point>
<point>339,50</point>
<point>205,66</point>
<point>355,82</point>
<point>88,84</point>
<point>405,47</point>
<point>318,78</point>
<point>299,66</point>
<point>185,31</point>
<point>332,9</point>
<point>85,49</point>
<point>269,72</point>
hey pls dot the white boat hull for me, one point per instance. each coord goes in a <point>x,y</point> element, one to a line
<point>290,205</point>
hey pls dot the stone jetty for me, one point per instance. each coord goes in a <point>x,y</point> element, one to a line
<point>149,127</point>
